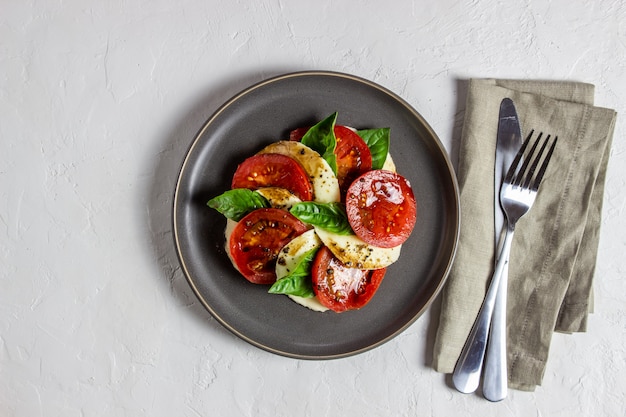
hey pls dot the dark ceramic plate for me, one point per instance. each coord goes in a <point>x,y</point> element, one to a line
<point>265,113</point>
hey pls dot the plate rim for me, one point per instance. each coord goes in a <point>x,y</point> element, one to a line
<point>233,100</point>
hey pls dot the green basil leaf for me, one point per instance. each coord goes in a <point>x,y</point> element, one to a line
<point>321,138</point>
<point>378,142</point>
<point>236,203</point>
<point>300,286</point>
<point>328,216</point>
<point>298,282</point>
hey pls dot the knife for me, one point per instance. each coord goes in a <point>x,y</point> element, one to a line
<point>467,372</point>
<point>509,140</point>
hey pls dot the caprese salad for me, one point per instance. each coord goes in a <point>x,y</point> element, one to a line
<point>319,217</point>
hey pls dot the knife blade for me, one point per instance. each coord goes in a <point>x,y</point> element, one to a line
<point>509,140</point>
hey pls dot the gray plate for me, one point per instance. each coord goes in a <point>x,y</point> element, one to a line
<point>265,113</point>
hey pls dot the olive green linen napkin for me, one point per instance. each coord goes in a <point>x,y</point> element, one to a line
<point>553,254</point>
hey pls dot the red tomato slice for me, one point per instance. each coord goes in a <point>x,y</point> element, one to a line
<point>273,170</point>
<point>258,238</point>
<point>297,134</point>
<point>381,208</point>
<point>340,288</point>
<point>353,156</point>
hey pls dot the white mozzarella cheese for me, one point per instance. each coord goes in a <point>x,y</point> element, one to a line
<point>289,258</point>
<point>389,165</point>
<point>325,184</point>
<point>355,253</point>
<point>280,198</point>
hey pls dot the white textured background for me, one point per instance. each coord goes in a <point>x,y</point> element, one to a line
<point>98,103</point>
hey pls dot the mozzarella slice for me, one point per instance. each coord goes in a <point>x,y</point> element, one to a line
<point>279,197</point>
<point>389,164</point>
<point>323,180</point>
<point>288,259</point>
<point>356,253</point>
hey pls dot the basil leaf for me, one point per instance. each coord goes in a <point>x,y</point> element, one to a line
<point>378,142</point>
<point>236,203</point>
<point>298,282</point>
<point>298,285</point>
<point>328,216</point>
<point>321,138</point>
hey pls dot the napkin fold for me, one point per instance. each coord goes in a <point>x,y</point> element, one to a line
<point>553,253</point>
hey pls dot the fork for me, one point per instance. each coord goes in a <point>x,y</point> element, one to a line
<point>517,195</point>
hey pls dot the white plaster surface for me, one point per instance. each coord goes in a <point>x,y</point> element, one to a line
<point>98,103</point>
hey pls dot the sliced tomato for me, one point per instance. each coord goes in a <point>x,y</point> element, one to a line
<point>353,156</point>
<point>381,208</point>
<point>258,238</point>
<point>297,134</point>
<point>340,288</point>
<point>273,170</point>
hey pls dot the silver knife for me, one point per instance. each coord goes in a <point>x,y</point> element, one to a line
<point>509,140</point>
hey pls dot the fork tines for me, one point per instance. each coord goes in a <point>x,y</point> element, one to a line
<point>528,180</point>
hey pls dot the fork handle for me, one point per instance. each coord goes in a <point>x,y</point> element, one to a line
<point>466,376</point>
<point>495,379</point>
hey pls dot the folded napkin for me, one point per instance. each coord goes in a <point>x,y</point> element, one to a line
<point>553,254</point>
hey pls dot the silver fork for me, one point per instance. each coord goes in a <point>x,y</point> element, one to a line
<point>517,195</point>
